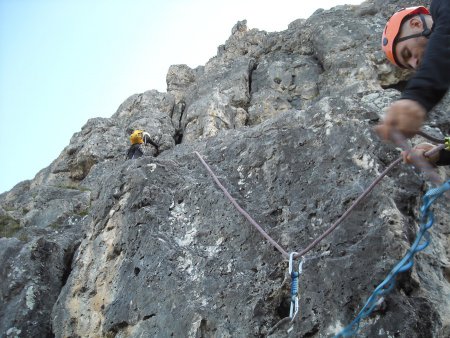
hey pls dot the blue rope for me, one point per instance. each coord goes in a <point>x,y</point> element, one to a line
<point>421,242</point>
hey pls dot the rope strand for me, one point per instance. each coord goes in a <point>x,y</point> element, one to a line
<point>318,239</point>
<point>353,206</point>
<point>405,264</point>
<point>426,167</point>
<point>242,211</point>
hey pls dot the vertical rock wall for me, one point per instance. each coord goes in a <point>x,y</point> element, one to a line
<point>96,246</point>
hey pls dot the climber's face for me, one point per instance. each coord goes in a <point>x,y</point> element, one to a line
<point>410,52</point>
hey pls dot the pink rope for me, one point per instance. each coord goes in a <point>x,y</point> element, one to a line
<point>242,211</point>
<point>350,209</point>
<point>335,224</point>
<point>418,161</point>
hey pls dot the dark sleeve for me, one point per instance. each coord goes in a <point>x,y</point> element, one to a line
<point>149,140</point>
<point>444,158</point>
<point>432,80</point>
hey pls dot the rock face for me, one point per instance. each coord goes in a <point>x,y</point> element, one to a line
<point>96,246</point>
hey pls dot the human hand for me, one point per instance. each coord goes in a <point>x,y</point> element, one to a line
<point>404,116</point>
<point>418,151</point>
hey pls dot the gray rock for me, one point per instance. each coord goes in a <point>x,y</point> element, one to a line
<point>96,246</point>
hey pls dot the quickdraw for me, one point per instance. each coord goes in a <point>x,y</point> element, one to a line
<point>294,284</point>
<point>404,265</point>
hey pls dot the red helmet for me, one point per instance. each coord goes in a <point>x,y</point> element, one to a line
<point>392,29</point>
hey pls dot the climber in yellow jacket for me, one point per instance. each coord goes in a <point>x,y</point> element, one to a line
<point>139,138</point>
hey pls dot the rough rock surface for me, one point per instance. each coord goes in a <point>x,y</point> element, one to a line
<point>96,246</point>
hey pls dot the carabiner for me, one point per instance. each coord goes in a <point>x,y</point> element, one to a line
<point>294,285</point>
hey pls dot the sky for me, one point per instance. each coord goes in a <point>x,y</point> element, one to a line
<point>63,62</point>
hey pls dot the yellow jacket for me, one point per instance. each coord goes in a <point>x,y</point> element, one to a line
<point>137,137</point>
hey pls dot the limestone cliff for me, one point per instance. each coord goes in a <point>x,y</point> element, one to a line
<point>96,246</point>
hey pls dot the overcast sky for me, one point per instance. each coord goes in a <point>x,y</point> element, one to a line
<point>65,61</point>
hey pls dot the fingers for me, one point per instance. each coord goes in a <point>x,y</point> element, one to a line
<point>404,116</point>
<point>385,128</point>
<point>418,152</point>
<point>406,157</point>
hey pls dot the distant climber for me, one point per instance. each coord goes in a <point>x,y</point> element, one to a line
<point>418,39</point>
<point>139,139</point>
